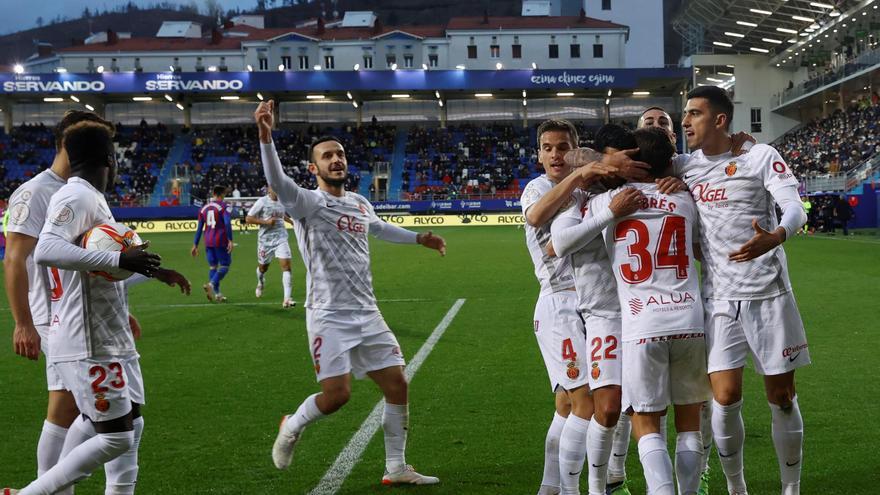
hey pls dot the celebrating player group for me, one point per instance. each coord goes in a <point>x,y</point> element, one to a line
<point>623,323</point>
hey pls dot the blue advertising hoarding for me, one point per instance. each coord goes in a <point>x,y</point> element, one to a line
<point>405,80</point>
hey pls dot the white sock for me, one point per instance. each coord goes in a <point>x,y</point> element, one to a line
<point>260,276</point>
<point>306,414</point>
<point>572,453</point>
<point>551,452</point>
<point>688,460</point>
<point>706,435</point>
<point>80,430</point>
<point>788,438</point>
<point>49,447</point>
<point>619,448</point>
<point>80,462</point>
<point>285,281</point>
<point>656,464</point>
<point>599,440</point>
<point>730,435</point>
<point>122,472</point>
<point>395,421</point>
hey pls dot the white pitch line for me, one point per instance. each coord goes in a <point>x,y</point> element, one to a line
<point>256,303</point>
<point>351,454</point>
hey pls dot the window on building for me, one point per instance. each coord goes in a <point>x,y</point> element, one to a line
<point>554,51</point>
<point>598,51</point>
<point>408,61</point>
<point>606,4</point>
<point>433,60</point>
<point>304,62</point>
<point>389,60</point>
<point>516,51</point>
<point>575,51</point>
<point>368,61</point>
<point>756,120</point>
<point>285,61</point>
<point>472,51</point>
<point>495,51</point>
<point>264,64</point>
<point>328,62</point>
<point>137,65</point>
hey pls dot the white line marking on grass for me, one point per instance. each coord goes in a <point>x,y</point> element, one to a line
<point>847,239</point>
<point>256,303</point>
<point>351,454</point>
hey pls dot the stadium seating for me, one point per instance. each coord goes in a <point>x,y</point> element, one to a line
<point>834,144</point>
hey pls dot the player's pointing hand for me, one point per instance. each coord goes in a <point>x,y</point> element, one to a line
<point>429,240</point>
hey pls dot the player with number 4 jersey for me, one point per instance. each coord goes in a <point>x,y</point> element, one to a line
<point>216,220</point>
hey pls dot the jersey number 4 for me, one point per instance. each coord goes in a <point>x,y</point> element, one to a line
<point>670,253</point>
<point>210,219</point>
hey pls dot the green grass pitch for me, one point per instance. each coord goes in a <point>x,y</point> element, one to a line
<point>219,377</point>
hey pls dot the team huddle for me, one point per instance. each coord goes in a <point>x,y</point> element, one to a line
<point>623,323</point>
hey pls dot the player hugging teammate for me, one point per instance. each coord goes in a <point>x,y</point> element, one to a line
<point>629,251</point>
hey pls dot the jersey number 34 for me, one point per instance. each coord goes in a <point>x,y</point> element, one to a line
<point>670,253</point>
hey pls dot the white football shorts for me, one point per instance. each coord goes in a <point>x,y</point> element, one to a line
<point>770,330</point>
<point>350,341</point>
<point>103,388</point>
<point>659,371</point>
<point>560,333</point>
<point>604,345</point>
<point>269,251</point>
<point>53,379</point>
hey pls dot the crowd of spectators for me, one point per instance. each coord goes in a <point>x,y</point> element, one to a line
<point>834,144</point>
<point>25,152</point>
<point>230,156</point>
<point>495,160</point>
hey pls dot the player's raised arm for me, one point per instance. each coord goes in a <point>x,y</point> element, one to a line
<point>545,208</point>
<point>381,229</point>
<point>290,194</point>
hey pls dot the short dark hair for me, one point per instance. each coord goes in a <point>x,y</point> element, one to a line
<point>718,98</point>
<point>316,142</point>
<point>654,149</point>
<point>219,190</point>
<point>614,136</point>
<point>653,108</point>
<point>89,145</point>
<point>72,117</point>
<point>559,125</point>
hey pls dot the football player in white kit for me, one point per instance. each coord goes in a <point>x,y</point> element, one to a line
<point>663,344</point>
<point>600,311</point>
<point>268,213</point>
<point>347,333</point>
<point>558,326</point>
<point>91,346</point>
<point>750,307</point>
<point>29,289</point>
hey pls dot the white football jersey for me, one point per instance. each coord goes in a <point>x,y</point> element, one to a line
<point>89,313</point>
<point>652,258</point>
<point>331,233</point>
<point>264,209</point>
<point>553,273</point>
<point>730,192</point>
<point>27,214</point>
<point>594,281</point>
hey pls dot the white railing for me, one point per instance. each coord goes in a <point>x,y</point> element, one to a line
<point>843,181</point>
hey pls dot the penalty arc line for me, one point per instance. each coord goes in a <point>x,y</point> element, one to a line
<point>351,454</point>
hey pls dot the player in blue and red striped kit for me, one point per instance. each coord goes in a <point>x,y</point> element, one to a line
<point>216,219</point>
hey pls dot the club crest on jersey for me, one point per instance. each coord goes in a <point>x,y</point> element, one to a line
<point>730,169</point>
<point>635,306</point>
<point>101,403</point>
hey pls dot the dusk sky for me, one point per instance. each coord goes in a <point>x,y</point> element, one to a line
<point>19,15</point>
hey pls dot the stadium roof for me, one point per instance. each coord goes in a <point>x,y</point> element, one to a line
<point>762,26</point>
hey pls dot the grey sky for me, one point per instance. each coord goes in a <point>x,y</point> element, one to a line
<point>18,15</point>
